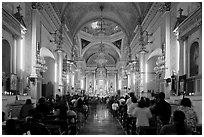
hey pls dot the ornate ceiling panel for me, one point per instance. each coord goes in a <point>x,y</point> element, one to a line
<point>115,17</point>
<point>110,53</point>
<point>124,14</point>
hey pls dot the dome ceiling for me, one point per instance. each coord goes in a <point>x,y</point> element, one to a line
<point>124,14</point>
<point>110,55</point>
<point>118,19</point>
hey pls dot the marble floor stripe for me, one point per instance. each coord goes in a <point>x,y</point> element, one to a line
<point>101,122</point>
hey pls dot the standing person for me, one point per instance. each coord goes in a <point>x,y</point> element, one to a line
<point>162,111</point>
<point>191,117</point>
<point>129,101</point>
<point>178,127</point>
<point>115,108</point>
<point>142,114</point>
<point>132,106</point>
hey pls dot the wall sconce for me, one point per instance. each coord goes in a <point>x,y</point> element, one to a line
<point>32,80</point>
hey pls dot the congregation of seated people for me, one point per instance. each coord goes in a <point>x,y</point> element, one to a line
<point>142,116</point>
<point>62,115</point>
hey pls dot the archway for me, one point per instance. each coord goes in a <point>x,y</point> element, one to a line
<point>6,56</point>
<point>153,82</point>
<point>6,61</point>
<point>48,81</point>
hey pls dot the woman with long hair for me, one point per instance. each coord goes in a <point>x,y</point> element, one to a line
<point>191,118</point>
<point>178,127</point>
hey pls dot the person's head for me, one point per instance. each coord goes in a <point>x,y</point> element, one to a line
<point>161,96</point>
<point>132,94</point>
<point>186,102</point>
<point>41,100</point>
<point>134,100</point>
<point>141,103</point>
<point>11,127</point>
<point>28,101</point>
<point>147,102</point>
<point>178,116</point>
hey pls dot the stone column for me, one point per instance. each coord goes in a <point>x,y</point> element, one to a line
<point>167,44</point>
<point>167,87</point>
<point>116,81</point>
<point>36,80</point>
<point>181,57</point>
<point>60,61</point>
<point>14,56</point>
<point>142,72</point>
<point>185,57</point>
<point>94,75</point>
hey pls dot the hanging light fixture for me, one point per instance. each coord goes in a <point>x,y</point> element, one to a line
<point>160,63</point>
<point>101,54</point>
<point>40,61</point>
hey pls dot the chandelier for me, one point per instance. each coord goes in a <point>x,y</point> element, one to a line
<point>40,61</point>
<point>101,56</point>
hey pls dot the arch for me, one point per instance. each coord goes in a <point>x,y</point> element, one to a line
<point>45,52</point>
<point>98,42</point>
<point>194,59</point>
<point>156,52</point>
<point>6,56</point>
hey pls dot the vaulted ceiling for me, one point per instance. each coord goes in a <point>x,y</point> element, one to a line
<point>124,15</point>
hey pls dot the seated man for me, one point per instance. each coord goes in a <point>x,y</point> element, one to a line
<point>34,126</point>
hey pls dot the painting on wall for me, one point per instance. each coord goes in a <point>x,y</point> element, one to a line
<point>194,59</point>
<point>13,82</point>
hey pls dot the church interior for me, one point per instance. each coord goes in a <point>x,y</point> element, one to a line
<point>97,53</point>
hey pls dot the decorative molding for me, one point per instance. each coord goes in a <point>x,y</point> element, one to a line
<point>189,25</point>
<point>11,24</point>
<point>152,15</point>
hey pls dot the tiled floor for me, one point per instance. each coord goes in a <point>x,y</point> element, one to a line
<point>101,122</point>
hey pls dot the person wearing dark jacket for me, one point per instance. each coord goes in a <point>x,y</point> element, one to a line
<point>24,112</point>
<point>162,110</point>
<point>42,107</point>
<point>34,126</point>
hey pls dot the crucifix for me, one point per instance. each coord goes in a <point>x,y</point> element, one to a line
<point>180,11</point>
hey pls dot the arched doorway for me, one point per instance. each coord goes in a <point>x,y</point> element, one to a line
<point>6,62</point>
<point>6,56</point>
<point>48,81</point>
<point>153,80</point>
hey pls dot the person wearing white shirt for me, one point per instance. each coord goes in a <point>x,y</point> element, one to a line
<point>142,114</point>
